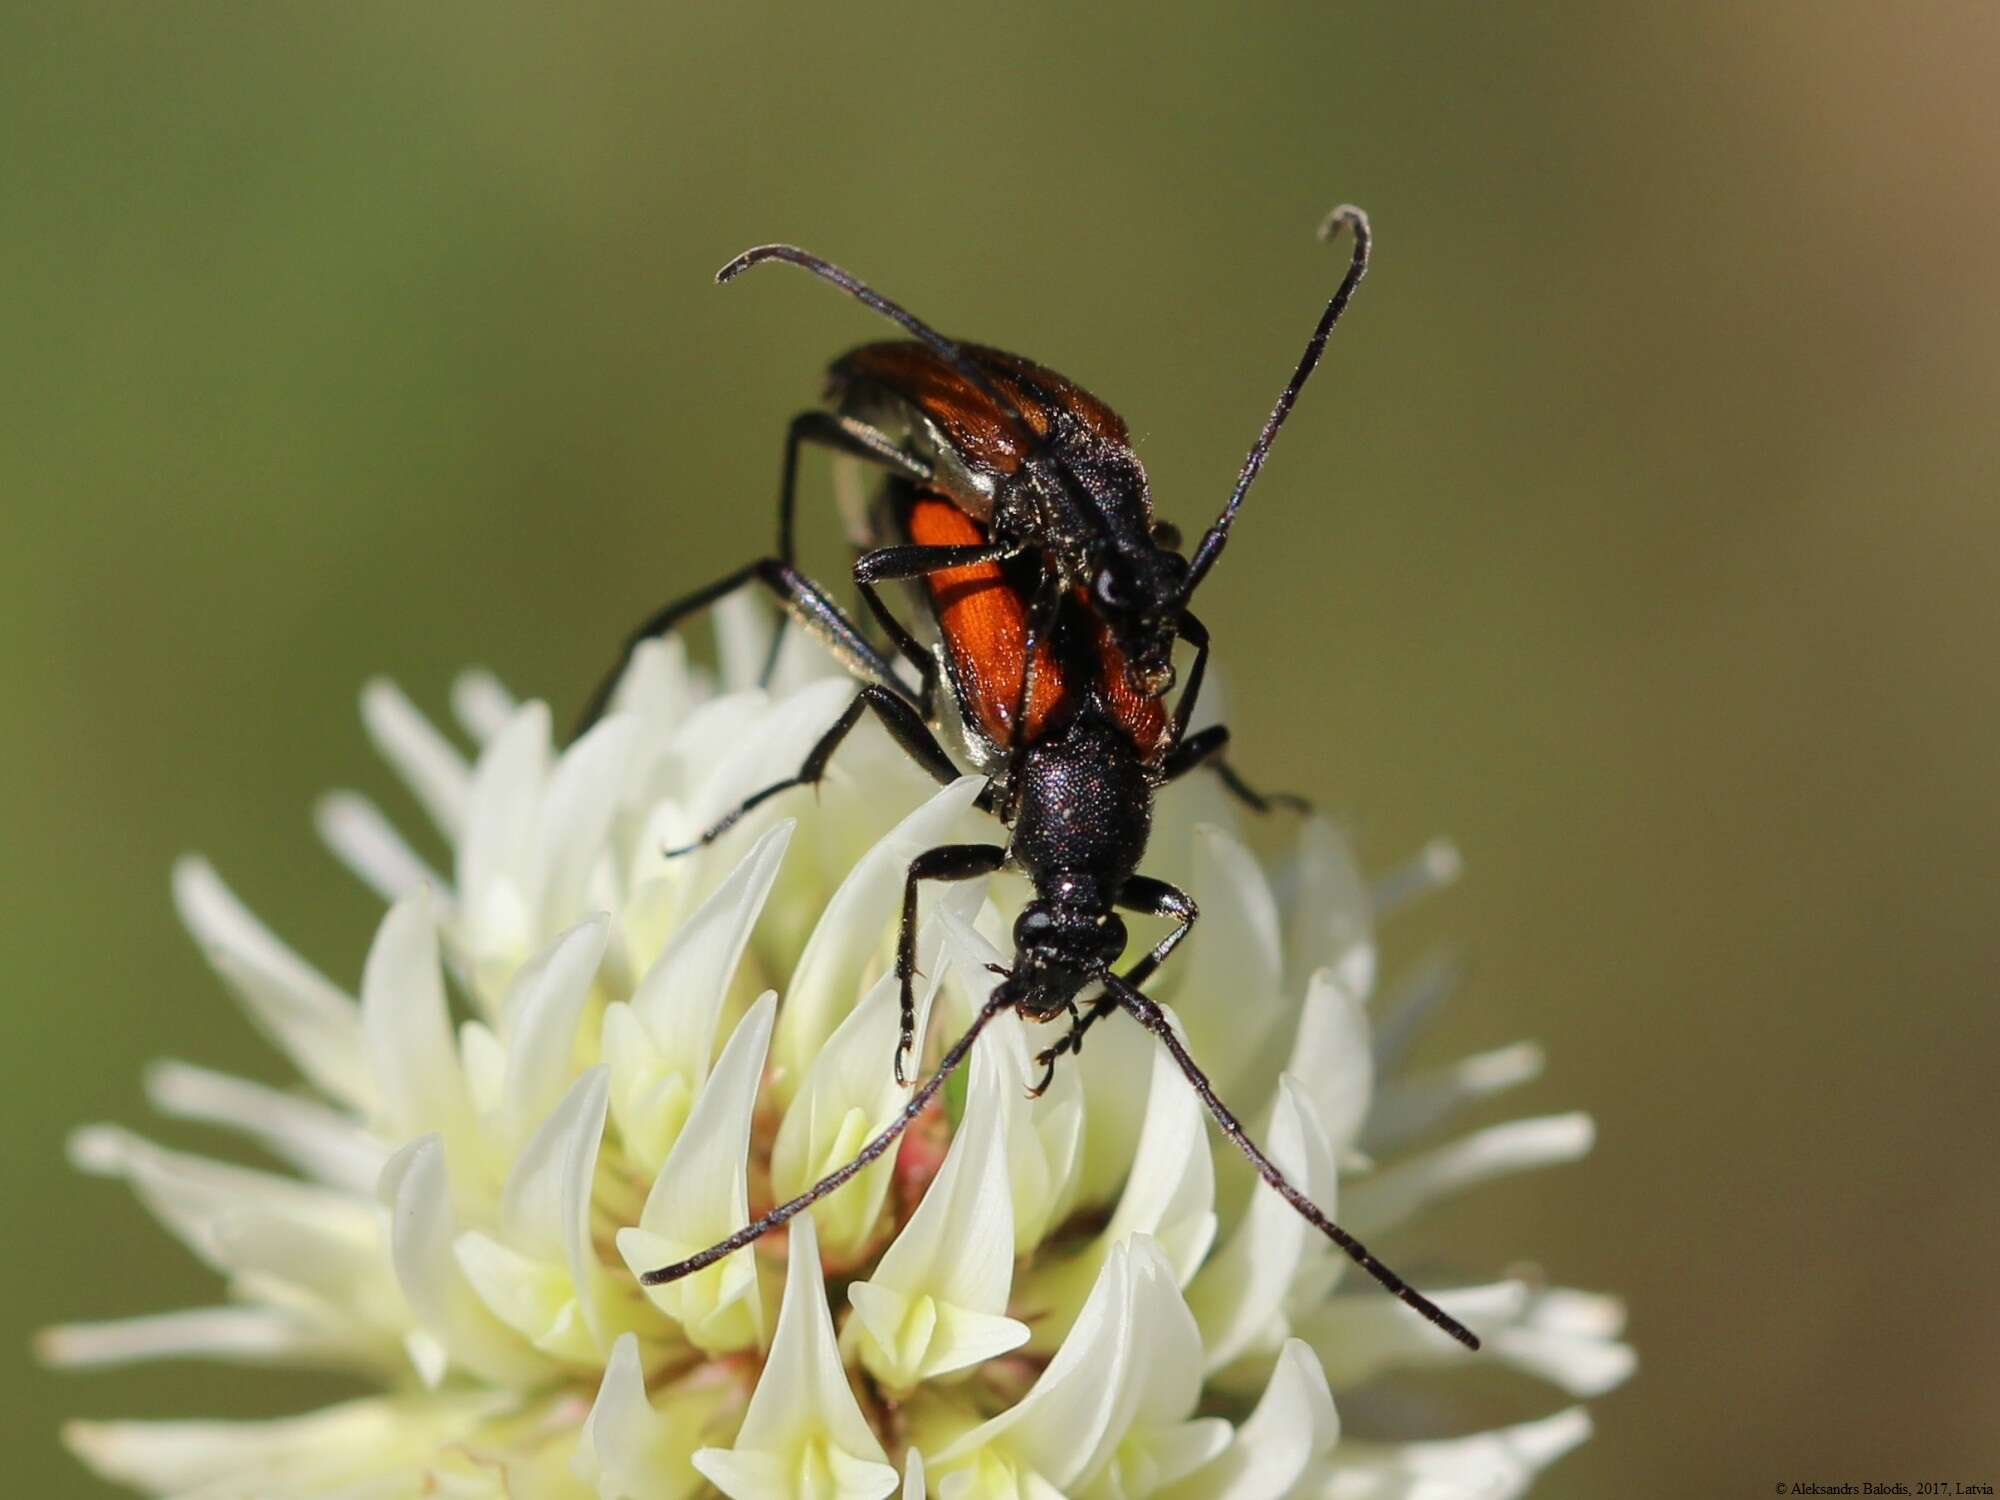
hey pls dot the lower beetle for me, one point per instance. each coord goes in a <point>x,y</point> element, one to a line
<point>1074,755</point>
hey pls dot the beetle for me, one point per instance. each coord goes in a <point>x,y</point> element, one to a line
<point>1044,467</point>
<point>1075,752</point>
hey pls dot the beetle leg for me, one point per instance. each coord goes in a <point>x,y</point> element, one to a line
<point>1070,1041</point>
<point>902,721</point>
<point>907,646</point>
<point>946,862</point>
<point>1195,634</point>
<point>890,564</point>
<point>799,595</point>
<point>1155,898</point>
<point>1205,749</point>
<point>842,434</point>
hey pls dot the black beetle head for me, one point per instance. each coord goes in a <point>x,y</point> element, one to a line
<point>1058,950</point>
<point>1137,593</point>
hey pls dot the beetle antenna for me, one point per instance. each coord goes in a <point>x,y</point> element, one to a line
<point>862,292</point>
<point>1213,540</point>
<point>1149,1015</point>
<point>785,1212</point>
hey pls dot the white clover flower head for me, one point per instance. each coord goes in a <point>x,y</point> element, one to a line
<point>575,1059</point>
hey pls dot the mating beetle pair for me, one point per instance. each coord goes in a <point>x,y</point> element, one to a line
<point>1016,502</point>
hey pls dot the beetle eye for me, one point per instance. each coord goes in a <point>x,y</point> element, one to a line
<point>1110,590</point>
<point>1033,924</point>
<point>1110,938</point>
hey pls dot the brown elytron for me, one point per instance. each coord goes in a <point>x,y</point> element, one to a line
<point>982,431</point>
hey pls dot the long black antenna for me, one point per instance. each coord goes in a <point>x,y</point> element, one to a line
<point>862,292</point>
<point>1217,536</point>
<point>1150,1016</point>
<point>750,1233</point>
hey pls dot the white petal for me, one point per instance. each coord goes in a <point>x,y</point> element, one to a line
<point>1432,868</point>
<point>499,878</point>
<point>726,760</point>
<point>803,1411</point>
<point>743,629</point>
<point>657,680</point>
<point>319,1141</point>
<point>1409,1006</point>
<point>1151,1442</point>
<point>1045,1133</point>
<point>1412,1107</point>
<point>546,1203</point>
<point>1225,986</point>
<point>830,976</point>
<point>632,1450</point>
<point>1238,1295</point>
<point>1329,917</point>
<point>408,1028</point>
<point>1491,1465</point>
<point>290,1456</point>
<point>937,1299</point>
<point>1293,1425</point>
<point>1331,1059</point>
<point>417,1188</point>
<point>1393,1195</point>
<point>1170,1195</point>
<point>575,817</point>
<point>542,1276</point>
<point>316,1025</point>
<point>1115,1074</point>
<point>240,1335</point>
<point>1566,1337</point>
<point>362,839</point>
<point>1065,1422</point>
<point>1358,1336</point>
<point>850,1095</point>
<point>482,704</point>
<point>1570,1339</point>
<point>539,1022</point>
<point>428,763</point>
<point>686,985</point>
<point>701,1196</point>
<point>214,1208</point>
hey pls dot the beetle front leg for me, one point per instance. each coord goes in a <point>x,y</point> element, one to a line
<point>946,862</point>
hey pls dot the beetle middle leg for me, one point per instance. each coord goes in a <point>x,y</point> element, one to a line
<point>946,862</point>
<point>897,715</point>
<point>801,598</point>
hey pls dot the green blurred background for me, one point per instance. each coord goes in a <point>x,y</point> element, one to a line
<point>1640,533</point>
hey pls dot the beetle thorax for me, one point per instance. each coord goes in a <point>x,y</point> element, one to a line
<point>1085,812</point>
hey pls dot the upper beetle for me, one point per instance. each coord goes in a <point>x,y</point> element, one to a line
<point>1045,468</point>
